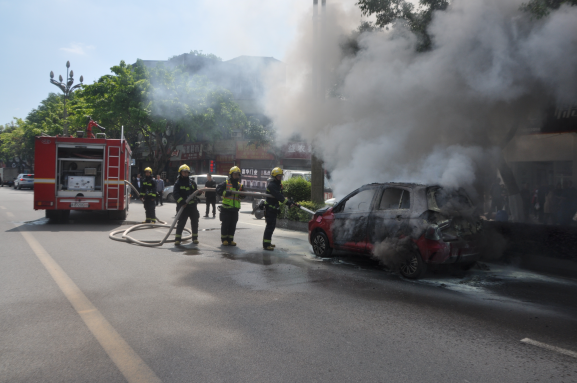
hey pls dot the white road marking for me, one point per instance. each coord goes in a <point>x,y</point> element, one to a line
<point>9,214</point>
<point>549,347</point>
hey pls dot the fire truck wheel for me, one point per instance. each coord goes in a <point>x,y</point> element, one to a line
<point>117,215</point>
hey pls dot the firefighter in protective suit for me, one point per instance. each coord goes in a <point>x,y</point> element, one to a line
<point>230,205</point>
<point>183,188</point>
<point>272,206</point>
<point>148,196</point>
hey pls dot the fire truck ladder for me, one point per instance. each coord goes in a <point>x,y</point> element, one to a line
<point>113,178</point>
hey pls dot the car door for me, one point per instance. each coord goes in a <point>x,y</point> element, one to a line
<point>390,217</point>
<point>351,215</point>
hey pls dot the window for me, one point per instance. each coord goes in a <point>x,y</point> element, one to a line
<point>360,202</point>
<point>394,198</point>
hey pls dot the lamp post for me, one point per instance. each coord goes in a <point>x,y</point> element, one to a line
<point>67,89</point>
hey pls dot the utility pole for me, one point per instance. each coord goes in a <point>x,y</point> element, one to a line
<point>318,94</point>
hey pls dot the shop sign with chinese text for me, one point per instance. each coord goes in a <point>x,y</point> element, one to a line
<point>244,151</point>
<point>297,150</point>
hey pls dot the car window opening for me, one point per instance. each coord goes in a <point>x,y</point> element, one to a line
<point>394,198</point>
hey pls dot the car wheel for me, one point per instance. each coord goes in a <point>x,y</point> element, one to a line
<point>320,243</point>
<point>18,187</point>
<point>467,266</point>
<point>414,267</point>
<point>170,198</point>
<point>117,215</point>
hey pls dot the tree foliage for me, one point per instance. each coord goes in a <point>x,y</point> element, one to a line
<point>158,107</point>
<point>415,18</point>
<point>541,8</point>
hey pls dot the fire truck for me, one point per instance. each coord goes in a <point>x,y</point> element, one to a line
<point>81,173</point>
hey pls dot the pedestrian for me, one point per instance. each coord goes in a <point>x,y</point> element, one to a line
<point>134,183</point>
<point>230,205</point>
<point>138,183</point>
<point>159,190</point>
<point>1,183</point>
<point>148,196</point>
<point>210,196</point>
<point>496,196</point>
<point>548,207</point>
<point>272,206</point>
<point>526,198</point>
<point>183,188</point>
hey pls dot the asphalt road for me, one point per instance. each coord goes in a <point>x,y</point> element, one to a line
<point>76,306</point>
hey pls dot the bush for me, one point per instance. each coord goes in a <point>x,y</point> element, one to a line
<point>297,189</point>
<point>296,214</point>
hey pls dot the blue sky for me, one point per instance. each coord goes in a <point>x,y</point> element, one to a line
<point>39,36</point>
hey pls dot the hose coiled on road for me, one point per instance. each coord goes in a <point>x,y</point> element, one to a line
<point>143,226</point>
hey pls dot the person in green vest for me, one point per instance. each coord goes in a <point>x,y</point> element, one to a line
<point>230,205</point>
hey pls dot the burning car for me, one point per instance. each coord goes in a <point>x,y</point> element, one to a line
<point>402,224</point>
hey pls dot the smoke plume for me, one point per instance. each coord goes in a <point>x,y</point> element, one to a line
<point>392,114</point>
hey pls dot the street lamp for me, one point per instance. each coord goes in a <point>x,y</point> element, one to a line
<point>67,89</point>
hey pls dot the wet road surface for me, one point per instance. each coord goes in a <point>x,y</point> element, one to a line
<point>207,313</point>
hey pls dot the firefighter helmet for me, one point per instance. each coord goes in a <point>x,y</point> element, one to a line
<point>148,170</point>
<point>184,168</point>
<point>276,172</point>
<point>234,169</point>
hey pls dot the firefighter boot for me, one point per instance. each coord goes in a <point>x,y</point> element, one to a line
<point>177,239</point>
<point>225,243</point>
<point>195,239</point>
<point>231,242</point>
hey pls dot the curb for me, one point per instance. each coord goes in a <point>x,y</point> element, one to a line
<point>292,225</point>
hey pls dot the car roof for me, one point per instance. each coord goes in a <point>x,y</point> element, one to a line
<point>408,185</point>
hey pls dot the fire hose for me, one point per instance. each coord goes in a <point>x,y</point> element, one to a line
<point>143,226</point>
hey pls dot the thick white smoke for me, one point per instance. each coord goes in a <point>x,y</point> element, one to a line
<point>393,114</point>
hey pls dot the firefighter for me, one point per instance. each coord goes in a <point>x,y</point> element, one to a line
<point>183,188</point>
<point>230,205</point>
<point>272,206</point>
<point>148,196</point>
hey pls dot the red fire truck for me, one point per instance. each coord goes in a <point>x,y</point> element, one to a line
<point>81,173</point>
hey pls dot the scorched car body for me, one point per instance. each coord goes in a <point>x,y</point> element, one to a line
<point>437,226</point>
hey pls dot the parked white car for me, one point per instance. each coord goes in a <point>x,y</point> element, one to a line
<point>24,181</point>
<point>200,180</point>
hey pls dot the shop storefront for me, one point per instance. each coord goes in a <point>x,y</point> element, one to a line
<point>296,156</point>
<point>256,164</point>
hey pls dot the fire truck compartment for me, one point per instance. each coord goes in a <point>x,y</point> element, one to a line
<point>79,170</point>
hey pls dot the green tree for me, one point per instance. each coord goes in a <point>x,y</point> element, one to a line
<point>17,143</point>
<point>542,8</point>
<point>416,18</point>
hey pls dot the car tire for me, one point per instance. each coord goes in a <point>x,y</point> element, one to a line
<point>320,243</point>
<point>467,266</point>
<point>170,198</point>
<point>117,215</point>
<point>18,188</point>
<point>414,268</point>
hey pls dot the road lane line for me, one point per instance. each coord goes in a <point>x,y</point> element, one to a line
<point>549,347</point>
<point>9,214</point>
<point>128,362</point>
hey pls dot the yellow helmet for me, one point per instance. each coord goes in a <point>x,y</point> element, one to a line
<point>234,169</point>
<point>276,172</point>
<point>148,170</point>
<point>185,168</point>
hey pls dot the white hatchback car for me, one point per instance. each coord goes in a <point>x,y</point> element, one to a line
<point>24,181</point>
<point>200,180</point>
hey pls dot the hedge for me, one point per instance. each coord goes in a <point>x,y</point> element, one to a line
<point>296,214</point>
<point>297,189</point>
